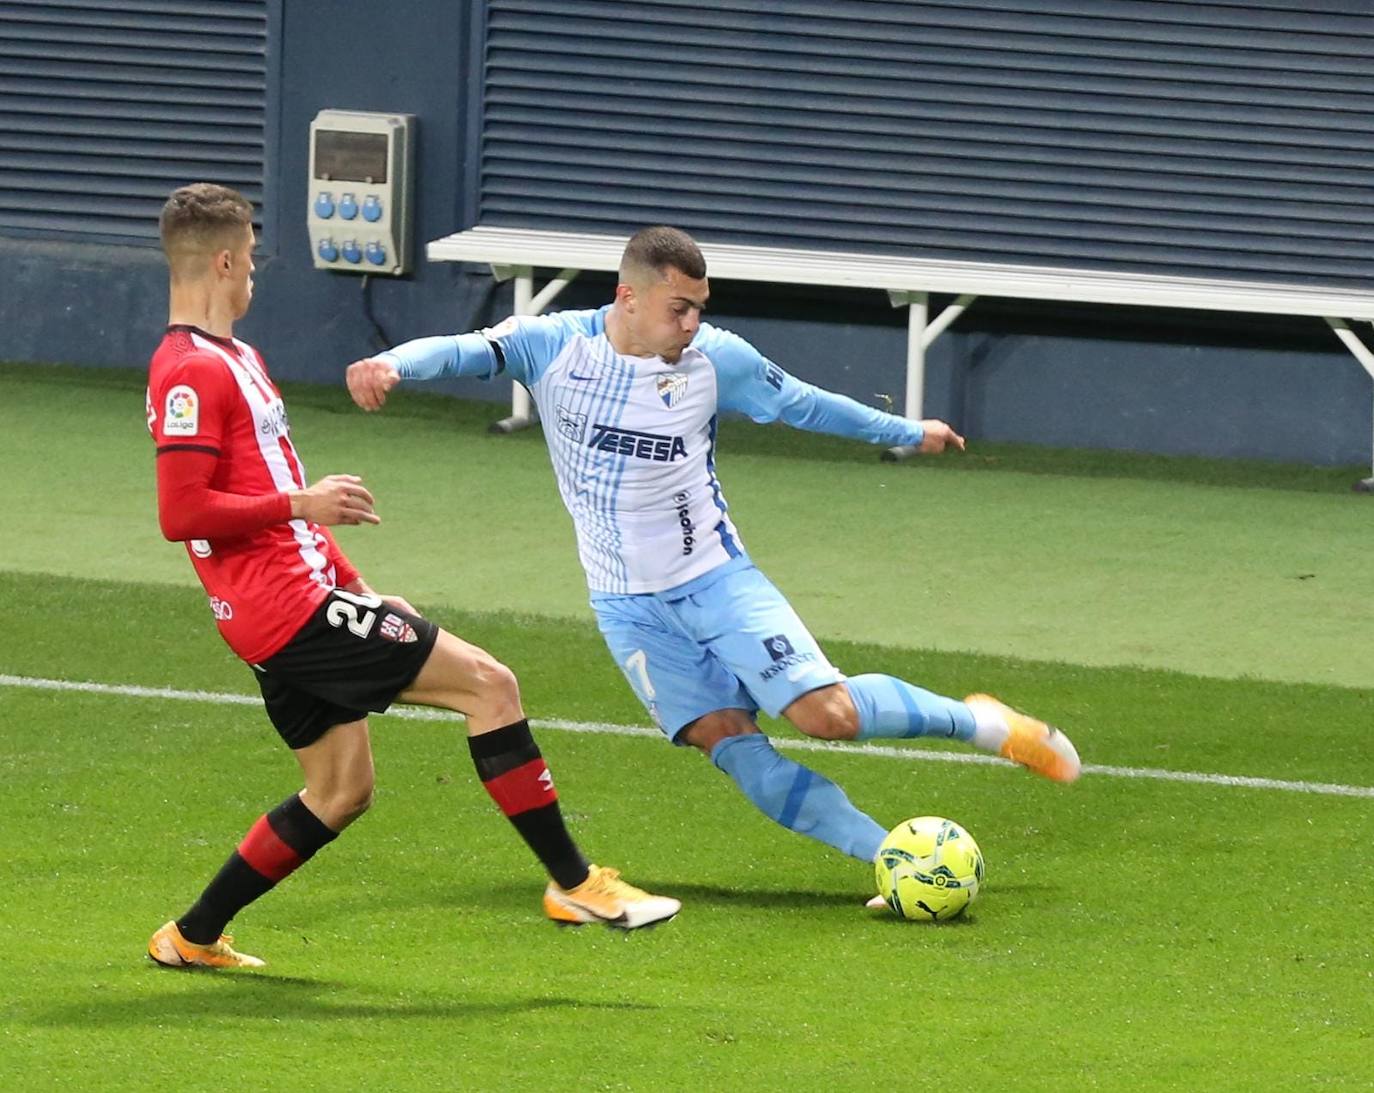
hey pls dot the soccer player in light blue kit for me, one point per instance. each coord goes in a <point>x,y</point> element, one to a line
<point>629,396</point>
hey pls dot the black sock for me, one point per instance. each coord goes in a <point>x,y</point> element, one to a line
<point>276,845</point>
<point>514,773</point>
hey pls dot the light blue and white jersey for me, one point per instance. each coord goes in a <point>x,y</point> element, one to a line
<point>632,439</point>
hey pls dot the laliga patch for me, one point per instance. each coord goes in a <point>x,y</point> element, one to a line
<point>671,388</point>
<point>181,417</point>
<point>395,628</point>
<point>508,325</point>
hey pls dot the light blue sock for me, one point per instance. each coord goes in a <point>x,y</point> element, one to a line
<point>799,799</point>
<point>890,708</point>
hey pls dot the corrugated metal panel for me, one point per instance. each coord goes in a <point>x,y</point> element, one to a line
<point>109,104</point>
<point>1232,140</point>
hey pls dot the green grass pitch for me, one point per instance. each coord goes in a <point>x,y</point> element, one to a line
<point>1135,932</point>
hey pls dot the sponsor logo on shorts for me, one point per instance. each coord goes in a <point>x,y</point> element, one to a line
<point>778,646</point>
<point>181,414</point>
<point>223,610</point>
<point>631,442</point>
<point>785,657</point>
<point>200,547</point>
<point>395,628</point>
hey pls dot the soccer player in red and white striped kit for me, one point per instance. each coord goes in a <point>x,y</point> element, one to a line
<point>324,647</point>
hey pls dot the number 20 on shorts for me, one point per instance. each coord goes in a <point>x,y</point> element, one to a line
<point>356,612</point>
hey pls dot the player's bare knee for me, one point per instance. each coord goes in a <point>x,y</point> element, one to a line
<point>496,689</point>
<point>355,798</point>
<point>353,806</point>
<point>342,804</point>
<point>827,714</point>
<point>706,732</point>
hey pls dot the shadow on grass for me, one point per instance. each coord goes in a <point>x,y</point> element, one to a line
<point>521,900</point>
<point>966,921</point>
<point>771,899</point>
<point>277,998</point>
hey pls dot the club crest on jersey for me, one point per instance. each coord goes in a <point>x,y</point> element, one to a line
<point>395,628</point>
<point>571,425</point>
<point>671,388</point>
<point>181,416</point>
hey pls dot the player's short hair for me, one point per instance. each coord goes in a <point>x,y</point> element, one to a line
<point>660,248</point>
<point>203,217</point>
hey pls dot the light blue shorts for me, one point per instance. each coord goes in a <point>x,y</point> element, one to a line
<point>726,640</point>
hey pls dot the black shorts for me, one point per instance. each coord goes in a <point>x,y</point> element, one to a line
<point>353,656</point>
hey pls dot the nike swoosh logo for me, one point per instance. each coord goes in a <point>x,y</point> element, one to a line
<point>574,375</point>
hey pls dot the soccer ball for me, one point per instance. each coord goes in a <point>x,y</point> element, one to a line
<point>929,869</point>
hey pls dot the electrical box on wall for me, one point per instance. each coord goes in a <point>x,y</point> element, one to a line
<point>362,168</point>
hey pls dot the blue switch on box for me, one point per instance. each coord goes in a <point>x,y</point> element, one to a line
<point>372,208</point>
<point>348,206</point>
<point>375,253</point>
<point>328,251</point>
<point>351,252</point>
<point>324,205</point>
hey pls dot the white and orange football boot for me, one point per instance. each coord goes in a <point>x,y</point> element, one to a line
<point>1034,744</point>
<point>171,950</point>
<point>603,897</point>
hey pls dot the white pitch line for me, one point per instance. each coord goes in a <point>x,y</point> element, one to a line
<point>415,713</point>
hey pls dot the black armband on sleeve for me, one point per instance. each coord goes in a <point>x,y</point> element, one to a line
<point>163,449</point>
<point>500,357</point>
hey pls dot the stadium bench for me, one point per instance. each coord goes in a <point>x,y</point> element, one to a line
<point>518,252</point>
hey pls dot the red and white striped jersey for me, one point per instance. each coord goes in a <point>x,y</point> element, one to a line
<point>213,395</point>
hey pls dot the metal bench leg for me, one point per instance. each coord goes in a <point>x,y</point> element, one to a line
<point>1365,356</point>
<point>920,333</point>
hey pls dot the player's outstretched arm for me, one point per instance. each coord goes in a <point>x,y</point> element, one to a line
<point>370,380</point>
<point>750,383</point>
<point>334,499</point>
<point>938,436</point>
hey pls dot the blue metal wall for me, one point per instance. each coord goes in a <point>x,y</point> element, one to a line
<point>108,104</point>
<point>1099,377</point>
<point>1230,140</point>
<point>94,302</point>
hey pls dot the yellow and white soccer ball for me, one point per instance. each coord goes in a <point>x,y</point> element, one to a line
<point>929,869</point>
